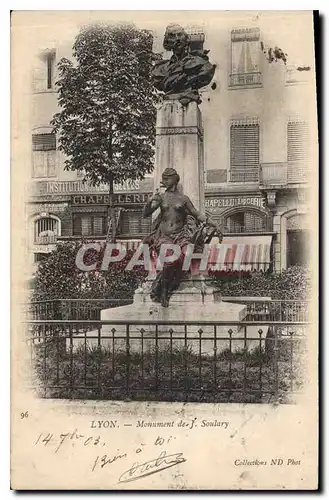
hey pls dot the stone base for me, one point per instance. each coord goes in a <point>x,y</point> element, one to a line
<point>188,304</point>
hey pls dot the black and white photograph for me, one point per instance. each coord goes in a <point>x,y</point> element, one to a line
<point>164,249</point>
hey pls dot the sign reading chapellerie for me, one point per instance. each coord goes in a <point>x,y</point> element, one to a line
<point>40,188</point>
<point>103,199</point>
<point>213,203</point>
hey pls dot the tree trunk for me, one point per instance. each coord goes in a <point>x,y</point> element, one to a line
<point>111,233</point>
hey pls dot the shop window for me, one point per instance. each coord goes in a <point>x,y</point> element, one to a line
<point>44,155</point>
<point>89,224</point>
<point>133,224</point>
<point>247,222</point>
<point>46,230</point>
<point>244,152</point>
<point>245,58</point>
<point>297,247</point>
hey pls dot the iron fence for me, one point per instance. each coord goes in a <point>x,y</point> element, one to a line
<point>89,309</point>
<point>70,309</point>
<point>204,361</point>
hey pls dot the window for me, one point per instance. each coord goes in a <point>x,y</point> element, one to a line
<point>297,150</point>
<point>244,152</point>
<point>44,71</point>
<point>44,155</point>
<point>46,230</point>
<point>197,37</point>
<point>245,57</point>
<point>39,257</point>
<point>247,222</point>
<point>298,246</point>
<point>89,224</point>
<point>133,224</point>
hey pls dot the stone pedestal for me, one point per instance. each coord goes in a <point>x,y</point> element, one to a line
<point>179,145</point>
<point>188,304</point>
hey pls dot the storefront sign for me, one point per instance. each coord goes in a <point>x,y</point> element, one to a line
<point>211,203</point>
<point>46,208</point>
<point>40,188</point>
<point>104,199</point>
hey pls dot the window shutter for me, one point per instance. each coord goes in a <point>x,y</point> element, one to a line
<point>39,75</point>
<point>39,164</point>
<point>51,163</point>
<point>297,151</point>
<point>244,152</point>
<point>43,142</point>
<point>245,51</point>
<point>297,141</point>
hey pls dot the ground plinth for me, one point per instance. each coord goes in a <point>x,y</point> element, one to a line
<point>196,308</point>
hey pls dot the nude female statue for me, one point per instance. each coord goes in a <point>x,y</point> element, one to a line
<point>173,226</point>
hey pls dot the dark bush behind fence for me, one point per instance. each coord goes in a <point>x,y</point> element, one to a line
<point>168,369</point>
<point>89,309</point>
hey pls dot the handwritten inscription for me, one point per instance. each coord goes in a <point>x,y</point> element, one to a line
<point>139,470</point>
<point>49,439</point>
<point>108,456</point>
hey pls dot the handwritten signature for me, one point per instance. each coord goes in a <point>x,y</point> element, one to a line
<point>163,461</point>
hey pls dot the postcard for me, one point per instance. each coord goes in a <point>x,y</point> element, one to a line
<point>164,250</point>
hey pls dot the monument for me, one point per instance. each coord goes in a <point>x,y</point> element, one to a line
<point>172,294</point>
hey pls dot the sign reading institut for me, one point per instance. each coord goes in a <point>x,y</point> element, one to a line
<point>40,188</point>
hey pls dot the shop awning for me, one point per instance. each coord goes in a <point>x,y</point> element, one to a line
<point>241,253</point>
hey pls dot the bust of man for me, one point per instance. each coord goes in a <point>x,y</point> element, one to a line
<point>186,71</point>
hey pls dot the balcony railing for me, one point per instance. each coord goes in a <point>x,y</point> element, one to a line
<point>296,76</point>
<point>281,174</point>
<point>46,239</point>
<point>265,226</point>
<point>244,174</point>
<point>273,174</point>
<point>297,173</point>
<point>245,79</point>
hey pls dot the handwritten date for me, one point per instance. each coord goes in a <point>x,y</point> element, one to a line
<point>69,437</point>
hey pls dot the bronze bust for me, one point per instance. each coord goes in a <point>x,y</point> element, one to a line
<point>178,223</point>
<point>186,71</point>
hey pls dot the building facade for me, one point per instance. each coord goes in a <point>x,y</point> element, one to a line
<point>259,147</point>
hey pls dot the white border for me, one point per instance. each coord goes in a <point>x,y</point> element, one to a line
<point>5,173</point>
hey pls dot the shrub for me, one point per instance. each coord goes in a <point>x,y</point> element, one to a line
<point>58,277</point>
<point>291,284</point>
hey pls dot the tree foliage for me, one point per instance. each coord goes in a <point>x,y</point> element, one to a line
<point>106,123</point>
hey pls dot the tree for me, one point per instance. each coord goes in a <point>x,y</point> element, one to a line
<point>106,124</point>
